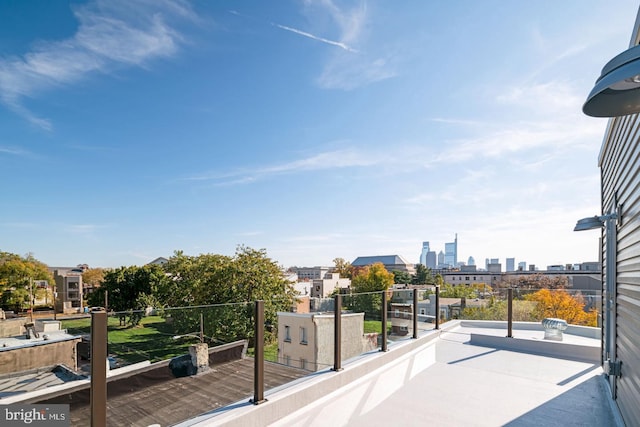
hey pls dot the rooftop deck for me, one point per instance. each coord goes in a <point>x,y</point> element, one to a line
<point>442,379</point>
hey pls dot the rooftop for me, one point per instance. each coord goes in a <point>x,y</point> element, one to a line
<point>446,378</point>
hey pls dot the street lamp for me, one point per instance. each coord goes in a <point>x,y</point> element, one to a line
<point>617,90</point>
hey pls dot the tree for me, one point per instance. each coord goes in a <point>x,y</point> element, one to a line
<point>401,277</point>
<point>93,277</point>
<point>232,284</point>
<point>423,276</point>
<point>131,290</point>
<point>368,285</point>
<point>344,268</point>
<point>559,304</point>
<point>460,291</point>
<point>17,275</point>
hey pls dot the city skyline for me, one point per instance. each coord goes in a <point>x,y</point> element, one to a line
<point>315,130</point>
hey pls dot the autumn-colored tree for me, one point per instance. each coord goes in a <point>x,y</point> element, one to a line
<point>344,268</point>
<point>372,278</point>
<point>93,277</point>
<point>560,304</point>
<point>17,274</point>
<point>368,285</point>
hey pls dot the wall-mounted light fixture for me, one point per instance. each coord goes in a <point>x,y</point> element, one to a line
<point>594,222</point>
<point>609,222</point>
<point>617,90</point>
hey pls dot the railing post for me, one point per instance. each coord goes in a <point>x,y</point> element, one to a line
<point>258,361</point>
<point>415,313</point>
<point>384,321</point>
<point>98,392</point>
<point>510,313</point>
<point>437,307</point>
<point>337,334</point>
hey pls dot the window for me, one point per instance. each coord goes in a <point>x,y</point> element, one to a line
<point>303,335</point>
<point>396,313</point>
<point>287,334</point>
<point>423,311</point>
<point>466,278</point>
<point>303,363</point>
<point>287,360</point>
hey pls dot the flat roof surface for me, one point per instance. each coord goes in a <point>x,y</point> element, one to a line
<point>453,383</point>
<point>157,397</point>
<point>24,382</point>
<point>44,338</point>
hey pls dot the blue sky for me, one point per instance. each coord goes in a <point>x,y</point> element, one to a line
<point>313,129</point>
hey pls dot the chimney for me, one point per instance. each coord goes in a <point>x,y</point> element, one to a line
<point>199,357</point>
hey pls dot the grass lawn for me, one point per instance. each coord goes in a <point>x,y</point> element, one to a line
<point>371,326</point>
<point>151,340</point>
<point>270,352</point>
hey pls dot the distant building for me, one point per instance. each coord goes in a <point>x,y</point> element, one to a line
<point>46,346</point>
<point>390,262</point>
<point>522,266</point>
<point>451,253</point>
<point>311,273</point>
<point>423,254</point>
<point>306,340</point>
<point>494,267</point>
<point>159,261</point>
<point>441,260</point>
<point>472,277</point>
<point>322,288</point>
<point>471,261</point>
<point>68,291</point>
<point>431,260</point>
<point>511,264</point>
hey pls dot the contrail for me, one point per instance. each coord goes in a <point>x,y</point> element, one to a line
<point>311,36</point>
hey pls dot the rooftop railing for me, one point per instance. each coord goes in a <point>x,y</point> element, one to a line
<point>322,337</point>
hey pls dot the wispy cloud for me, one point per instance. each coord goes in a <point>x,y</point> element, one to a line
<point>346,158</point>
<point>318,38</point>
<point>83,228</point>
<point>111,33</point>
<point>343,70</point>
<point>13,151</point>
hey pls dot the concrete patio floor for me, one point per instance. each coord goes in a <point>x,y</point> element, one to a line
<point>453,383</point>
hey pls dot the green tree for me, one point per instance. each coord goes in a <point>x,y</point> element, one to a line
<point>17,274</point>
<point>230,283</point>
<point>423,276</point>
<point>131,289</point>
<point>401,277</point>
<point>344,268</point>
<point>460,291</point>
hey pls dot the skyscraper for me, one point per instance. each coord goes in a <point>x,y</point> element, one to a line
<point>431,259</point>
<point>511,264</point>
<point>451,253</point>
<point>423,254</point>
<point>441,259</point>
<point>471,261</point>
